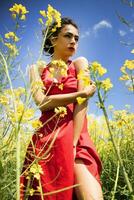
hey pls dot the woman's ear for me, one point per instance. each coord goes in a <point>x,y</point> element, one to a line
<point>53,40</point>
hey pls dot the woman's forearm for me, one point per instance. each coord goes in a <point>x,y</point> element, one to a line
<point>78,119</point>
<point>49,102</point>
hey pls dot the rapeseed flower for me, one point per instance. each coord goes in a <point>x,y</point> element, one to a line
<point>12,48</point>
<point>36,170</point>
<point>106,84</point>
<point>36,124</point>
<point>97,68</point>
<point>82,75</point>
<point>19,10</point>
<point>4,100</point>
<point>129,64</point>
<point>61,111</point>
<point>12,35</point>
<point>60,65</point>
<point>61,86</point>
<point>31,191</point>
<point>52,15</point>
<point>80,100</point>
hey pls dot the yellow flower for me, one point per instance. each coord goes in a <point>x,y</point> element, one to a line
<point>41,63</point>
<point>43,13</point>
<point>4,100</point>
<point>28,114</point>
<point>20,10</point>
<point>40,21</point>
<point>31,191</point>
<point>36,170</point>
<point>129,64</point>
<point>53,15</point>
<point>101,71</point>
<point>12,47</point>
<point>80,100</point>
<point>131,88</point>
<point>36,123</point>
<point>106,84</point>
<point>62,111</point>
<point>97,68</point>
<point>36,85</point>
<point>38,188</point>
<point>61,86</point>
<point>124,77</point>
<point>61,65</point>
<point>123,69</point>
<point>12,35</point>
<point>83,76</point>
<point>23,17</point>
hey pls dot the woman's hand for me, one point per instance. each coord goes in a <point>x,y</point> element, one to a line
<point>90,90</point>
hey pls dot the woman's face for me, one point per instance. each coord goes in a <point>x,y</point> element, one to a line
<point>66,42</point>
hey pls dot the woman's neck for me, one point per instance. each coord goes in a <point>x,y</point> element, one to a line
<point>59,57</point>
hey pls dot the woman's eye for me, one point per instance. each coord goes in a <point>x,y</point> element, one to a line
<point>68,36</point>
<point>76,39</point>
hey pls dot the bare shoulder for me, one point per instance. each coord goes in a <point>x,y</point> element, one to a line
<point>80,63</point>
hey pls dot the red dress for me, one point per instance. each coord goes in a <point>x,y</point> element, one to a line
<point>57,163</point>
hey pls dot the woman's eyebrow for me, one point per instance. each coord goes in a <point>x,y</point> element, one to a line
<point>71,34</point>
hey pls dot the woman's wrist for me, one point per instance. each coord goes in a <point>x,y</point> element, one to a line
<point>82,94</point>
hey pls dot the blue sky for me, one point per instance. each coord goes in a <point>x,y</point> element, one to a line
<point>101,37</point>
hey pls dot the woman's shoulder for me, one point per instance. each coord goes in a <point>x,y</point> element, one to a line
<point>80,63</point>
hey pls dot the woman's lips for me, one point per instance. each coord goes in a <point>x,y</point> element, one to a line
<point>71,48</point>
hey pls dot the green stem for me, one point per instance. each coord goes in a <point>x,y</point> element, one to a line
<point>115,146</point>
<point>116,181</point>
<point>132,79</point>
<point>43,42</point>
<point>18,139</point>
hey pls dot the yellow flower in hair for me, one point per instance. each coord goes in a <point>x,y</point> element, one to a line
<point>80,100</point>
<point>43,13</point>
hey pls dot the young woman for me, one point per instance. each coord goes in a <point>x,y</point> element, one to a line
<point>62,146</point>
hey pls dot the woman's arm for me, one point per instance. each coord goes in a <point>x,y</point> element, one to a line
<point>80,110</point>
<point>49,102</point>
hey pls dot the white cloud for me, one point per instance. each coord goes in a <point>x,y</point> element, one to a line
<point>85,34</point>
<point>131,30</point>
<point>122,33</point>
<point>101,25</point>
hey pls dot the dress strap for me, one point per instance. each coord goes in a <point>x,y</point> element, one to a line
<point>72,69</point>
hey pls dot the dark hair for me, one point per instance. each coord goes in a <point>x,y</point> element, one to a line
<point>48,47</point>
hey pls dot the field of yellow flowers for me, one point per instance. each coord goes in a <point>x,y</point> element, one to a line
<point>112,133</point>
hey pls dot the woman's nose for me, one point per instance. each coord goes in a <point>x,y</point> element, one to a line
<point>73,40</point>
